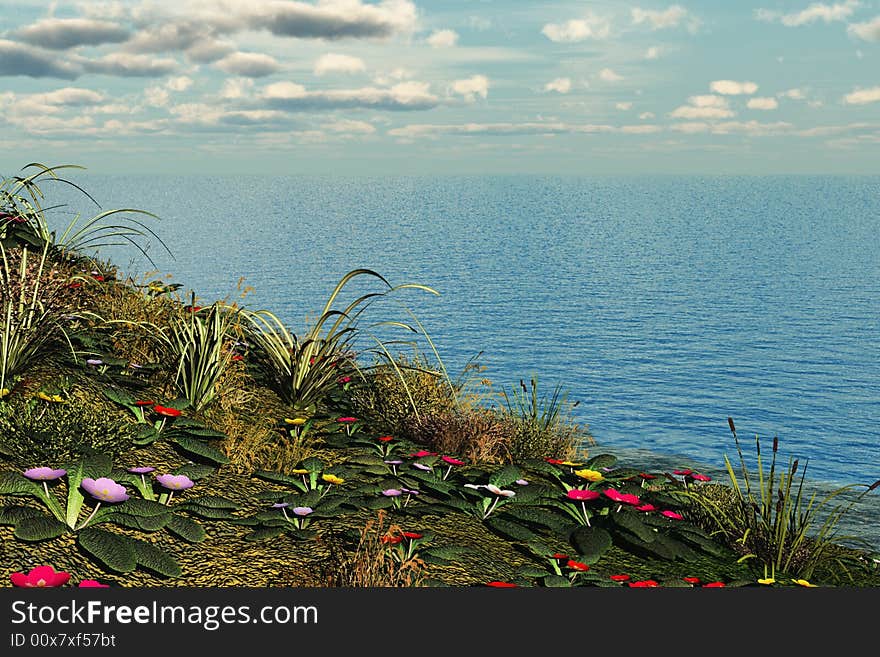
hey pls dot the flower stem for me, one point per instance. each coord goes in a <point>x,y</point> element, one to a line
<point>170,495</point>
<point>89,519</point>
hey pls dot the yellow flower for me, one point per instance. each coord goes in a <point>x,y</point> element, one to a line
<point>803,582</point>
<point>297,421</point>
<point>571,464</point>
<point>589,475</point>
<point>300,471</point>
<point>332,479</point>
<point>50,398</point>
<point>767,580</point>
<point>4,392</point>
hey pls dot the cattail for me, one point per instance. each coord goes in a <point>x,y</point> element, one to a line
<point>730,422</point>
<point>794,468</point>
<point>775,443</point>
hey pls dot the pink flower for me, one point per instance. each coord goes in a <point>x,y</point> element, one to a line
<point>104,489</point>
<point>423,452</point>
<point>92,584</point>
<point>40,577</point>
<point>347,420</point>
<point>701,477</point>
<point>44,474</point>
<point>646,508</point>
<point>451,461</point>
<point>582,495</point>
<point>671,514</point>
<point>684,472</point>
<point>624,498</point>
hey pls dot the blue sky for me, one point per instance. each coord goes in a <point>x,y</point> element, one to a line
<point>441,86</point>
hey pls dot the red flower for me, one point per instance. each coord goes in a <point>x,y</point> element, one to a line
<point>619,578</point>
<point>343,379</point>
<point>92,584</point>
<point>625,498</point>
<point>560,556</point>
<point>671,514</point>
<point>577,565</point>
<point>691,580</point>
<point>167,412</point>
<point>391,540</point>
<point>73,286</point>
<point>502,585</point>
<point>555,461</point>
<point>98,277</point>
<point>193,309</point>
<point>645,475</point>
<point>701,477</point>
<point>644,584</point>
<point>451,461</point>
<point>385,439</point>
<point>423,452</point>
<point>145,402</point>
<point>646,508</point>
<point>39,577</point>
<point>237,357</point>
<point>684,472</point>
<point>347,420</point>
<point>714,585</point>
<point>412,535</point>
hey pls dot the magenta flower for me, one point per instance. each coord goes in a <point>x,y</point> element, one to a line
<point>646,508</point>
<point>671,514</point>
<point>346,420</point>
<point>451,461</point>
<point>701,477</point>
<point>92,584</point>
<point>392,492</point>
<point>44,474</point>
<point>582,495</point>
<point>174,482</point>
<point>40,577</point>
<point>104,489</point>
<point>423,452</point>
<point>684,472</point>
<point>409,491</point>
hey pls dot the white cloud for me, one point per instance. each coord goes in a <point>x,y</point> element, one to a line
<point>234,88</point>
<point>156,96</point>
<point>867,31</point>
<point>577,29</point>
<point>815,12</point>
<point>443,38</point>
<point>65,33</point>
<point>733,88</point>
<point>479,129</point>
<point>762,103</point>
<point>249,64</point>
<point>336,63</point>
<point>293,97</point>
<point>20,59</point>
<point>671,17</point>
<point>703,107</point>
<point>392,77</point>
<point>350,127</point>
<point>559,85</point>
<point>645,116</point>
<point>608,75</point>
<point>793,94</point>
<point>624,106</point>
<point>180,83</point>
<point>69,96</point>
<point>470,88</point>
<point>862,96</point>
<point>128,65</point>
<point>652,53</point>
<point>640,129</point>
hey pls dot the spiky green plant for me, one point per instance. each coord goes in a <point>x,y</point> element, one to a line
<point>304,371</point>
<point>22,207</point>
<point>776,523</point>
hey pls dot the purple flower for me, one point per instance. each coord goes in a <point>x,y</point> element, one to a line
<point>302,510</point>
<point>44,474</point>
<point>143,470</point>
<point>391,492</point>
<point>175,482</point>
<point>522,482</point>
<point>393,462</point>
<point>104,489</point>
<point>422,466</point>
<point>94,361</point>
<point>409,491</point>
<point>281,505</point>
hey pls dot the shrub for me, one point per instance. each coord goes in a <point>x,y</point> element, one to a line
<point>36,431</point>
<point>479,435</point>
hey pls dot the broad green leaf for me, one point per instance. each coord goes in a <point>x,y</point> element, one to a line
<point>511,529</point>
<point>195,471</point>
<point>678,548</point>
<point>542,518</point>
<point>119,396</point>
<point>114,551</point>
<point>312,464</point>
<point>591,542</point>
<point>38,528</point>
<point>279,478</point>
<point>9,515</point>
<point>197,432</point>
<point>631,522</point>
<point>151,557</point>
<point>601,461</point>
<point>146,435</point>
<point>556,581</point>
<point>13,483</point>
<point>137,506</point>
<point>196,446</point>
<point>446,552</point>
<point>505,476</point>
<point>213,502</point>
<point>206,512</point>
<point>149,523</point>
<point>538,465</point>
<point>531,571</point>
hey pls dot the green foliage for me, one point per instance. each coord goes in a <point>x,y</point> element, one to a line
<point>66,505</point>
<point>36,431</point>
<point>776,524</point>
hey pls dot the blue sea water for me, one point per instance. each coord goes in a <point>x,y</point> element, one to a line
<point>663,305</point>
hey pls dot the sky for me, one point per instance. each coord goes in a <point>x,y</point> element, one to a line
<point>441,86</point>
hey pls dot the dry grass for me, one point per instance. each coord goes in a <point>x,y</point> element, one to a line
<point>372,564</point>
<point>477,434</point>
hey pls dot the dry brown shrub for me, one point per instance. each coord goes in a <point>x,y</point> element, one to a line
<point>477,434</point>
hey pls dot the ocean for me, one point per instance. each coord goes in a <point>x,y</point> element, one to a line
<point>662,304</point>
